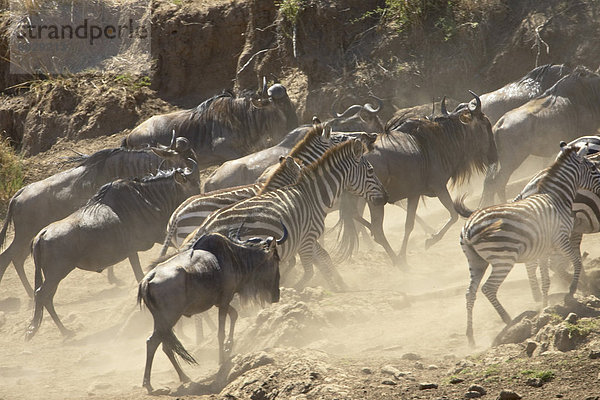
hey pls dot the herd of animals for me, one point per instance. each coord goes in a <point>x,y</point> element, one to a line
<point>260,209</point>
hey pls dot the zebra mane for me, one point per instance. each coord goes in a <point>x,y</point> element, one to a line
<point>313,133</point>
<point>552,171</point>
<point>281,170</point>
<point>344,147</point>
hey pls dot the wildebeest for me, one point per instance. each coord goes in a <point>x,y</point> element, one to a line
<point>207,274</point>
<point>124,217</point>
<point>248,169</point>
<point>569,109</point>
<point>495,104</point>
<point>223,127</point>
<point>417,157</point>
<point>40,203</point>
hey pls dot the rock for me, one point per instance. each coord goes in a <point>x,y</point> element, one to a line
<point>593,398</point>
<point>478,389</point>
<point>411,356</point>
<point>454,381</point>
<point>509,395</point>
<point>366,370</point>
<point>572,318</point>
<point>530,348</point>
<point>534,382</point>
<point>472,395</point>
<point>433,367</point>
<point>594,354</point>
<point>425,386</point>
<point>390,370</point>
<point>388,382</point>
<point>419,365</point>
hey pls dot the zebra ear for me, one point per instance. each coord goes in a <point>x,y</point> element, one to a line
<point>326,131</point>
<point>358,149</point>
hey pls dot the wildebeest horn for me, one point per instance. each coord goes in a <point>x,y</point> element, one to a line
<point>284,235</point>
<point>264,86</point>
<point>369,107</point>
<point>182,144</point>
<point>443,106</point>
<point>277,91</point>
<point>477,104</point>
<point>172,146</point>
<point>352,110</point>
<point>432,108</point>
<point>194,166</point>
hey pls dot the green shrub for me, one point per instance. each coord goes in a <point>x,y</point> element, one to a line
<point>11,171</point>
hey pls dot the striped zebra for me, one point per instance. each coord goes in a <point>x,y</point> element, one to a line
<point>192,213</point>
<point>526,229</point>
<point>302,208</point>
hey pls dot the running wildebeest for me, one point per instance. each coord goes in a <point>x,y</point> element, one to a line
<point>124,217</point>
<point>41,203</point>
<point>569,109</point>
<point>514,94</point>
<point>248,169</point>
<point>205,275</point>
<point>417,157</point>
<point>223,127</point>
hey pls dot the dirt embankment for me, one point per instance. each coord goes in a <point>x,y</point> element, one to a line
<point>342,50</point>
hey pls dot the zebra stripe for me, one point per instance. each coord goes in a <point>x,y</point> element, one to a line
<point>525,230</point>
<point>302,208</point>
<point>192,213</point>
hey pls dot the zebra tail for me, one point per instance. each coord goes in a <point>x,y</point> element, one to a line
<point>167,337</point>
<point>347,242</point>
<point>460,208</point>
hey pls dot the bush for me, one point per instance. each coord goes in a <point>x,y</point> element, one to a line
<point>11,171</point>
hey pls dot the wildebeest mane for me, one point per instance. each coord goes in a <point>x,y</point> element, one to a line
<point>241,261</point>
<point>205,105</point>
<point>448,143</point>
<point>542,72</point>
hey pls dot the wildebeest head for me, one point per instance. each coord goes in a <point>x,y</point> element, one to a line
<point>357,117</point>
<point>276,96</point>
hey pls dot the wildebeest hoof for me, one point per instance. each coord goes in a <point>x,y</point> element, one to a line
<point>159,392</point>
<point>431,241</point>
<point>68,334</point>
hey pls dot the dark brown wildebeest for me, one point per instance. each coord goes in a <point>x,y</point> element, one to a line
<point>248,169</point>
<point>207,274</point>
<point>124,217</point>
<point>40,203</point>
<point>512,95</point>
<point>418,156</point>
<point>223,127</point>
<point>566,111</point>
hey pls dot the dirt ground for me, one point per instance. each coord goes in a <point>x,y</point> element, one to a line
<point>395,330</point>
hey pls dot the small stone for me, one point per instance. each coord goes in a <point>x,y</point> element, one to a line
<point>509,395</point>
<point>366,370</point>
<point>593,398</point>
<point>419,365</point>
<point>559,396</point>
<point>425,386</point>
<point>478,389</point>
<point>388,382</point>
<point>454,381</point>
<point>433,367</point>
<point>594,354</point>
<point>572,318</point>
<point>531,346</point>
<point>534,382</point>
<point>472,395</point>
<point>411,356</point>
<point>390,370</point>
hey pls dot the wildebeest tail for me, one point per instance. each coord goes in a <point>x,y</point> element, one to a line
<point>347,241</point>
<point>460,208</point>
<point>167,337</point>
<point>37,260</point>
<point>8,219</point>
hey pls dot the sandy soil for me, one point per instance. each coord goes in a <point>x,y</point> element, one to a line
<point>387,313</point>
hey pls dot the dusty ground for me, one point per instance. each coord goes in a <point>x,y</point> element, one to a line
<point>394,330</point>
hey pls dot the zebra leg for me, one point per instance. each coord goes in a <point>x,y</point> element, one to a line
<point>306,257</point>
<point>424,225</point>
<point>545,281</point>
<point>533,281</point>
<point>287,267</point>
<point>409,224</point>
<point>112,279</point>
<point>490,287</point>
<point>329,270</point>
<point>477,267</point>
<point>446,201</point>
<point>575,257</point>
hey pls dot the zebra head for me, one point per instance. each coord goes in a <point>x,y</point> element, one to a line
<point>586,174</point>
<point>362,180</point>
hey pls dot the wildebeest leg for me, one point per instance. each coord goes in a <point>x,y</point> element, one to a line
<point>531,268</point>
<point>112,279</point>
<point>50,307</point>
<point>134,260</point>
<point>223,311</point>
<point>19,263</point>
<point>329,270</point>
<point>446,201</point>
<point>306,258</point>
<point>233,315</point>
<point>171,356</point>
<point>409,224</point>
<point>428,229</point>
<point>151,345</point>
<point>496,183</point>
<point>377,214</point>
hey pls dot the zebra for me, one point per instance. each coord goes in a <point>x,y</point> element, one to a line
<point>192,213</point>
<point>302,208</point>
<point>524,230</point>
